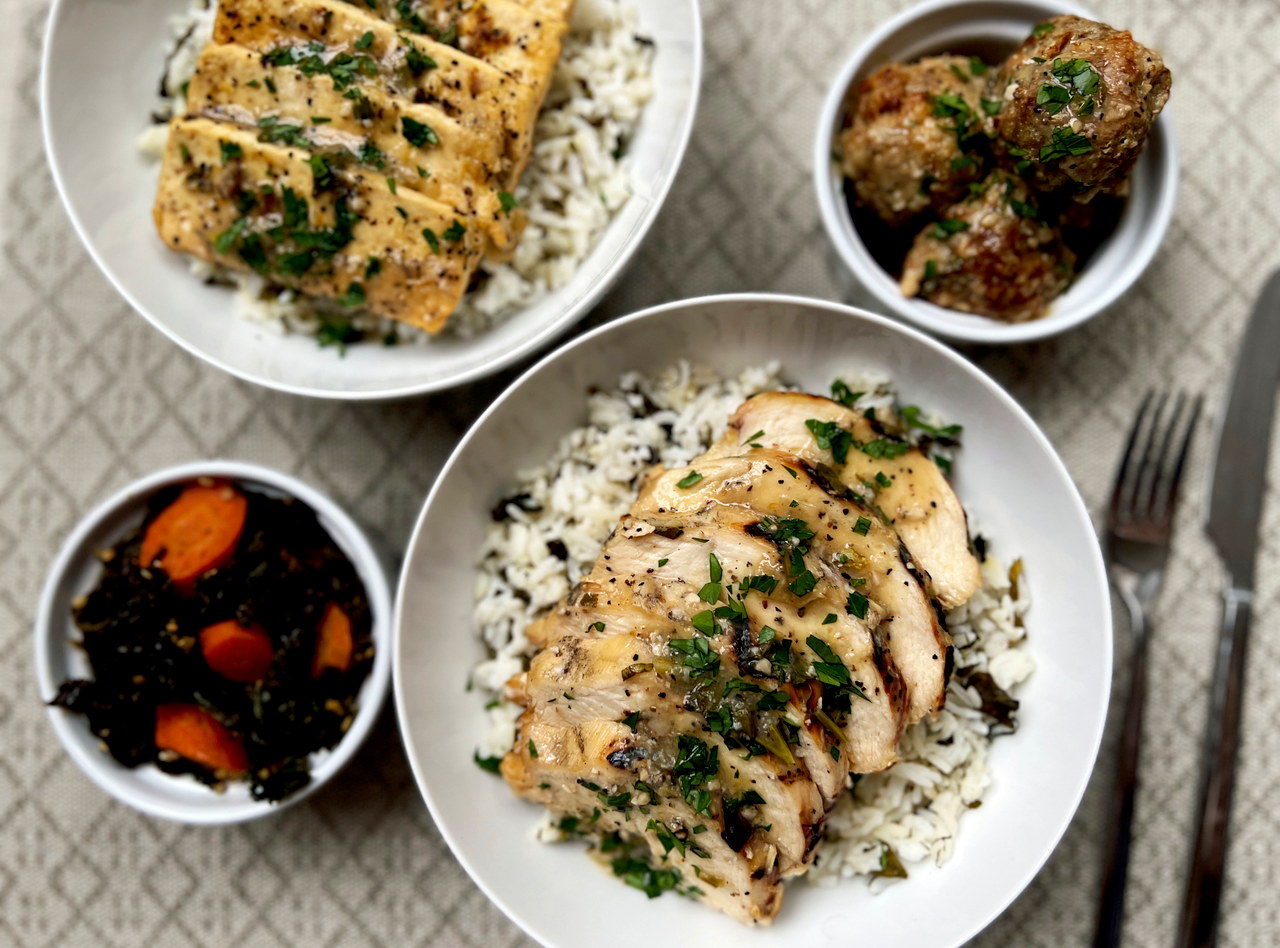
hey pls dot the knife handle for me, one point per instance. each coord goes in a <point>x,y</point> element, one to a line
<point>1199,925</point>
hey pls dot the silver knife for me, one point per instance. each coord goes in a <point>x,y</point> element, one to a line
<point>1237,489</point>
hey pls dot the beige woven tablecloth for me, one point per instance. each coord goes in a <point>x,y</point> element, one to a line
<point>93,397</point>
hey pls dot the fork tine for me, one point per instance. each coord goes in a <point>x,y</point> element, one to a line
<point>1162,463</point>
<point>1121,488</point>
<point>1175,475</point>
<point>1149,466</point>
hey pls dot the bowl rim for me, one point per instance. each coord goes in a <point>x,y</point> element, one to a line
<point>841,310</point>
<point>951,324</point>
<point>535,342</point>
<point>50,622</point>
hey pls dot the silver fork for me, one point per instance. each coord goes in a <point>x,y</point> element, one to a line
<point>1139,531</point>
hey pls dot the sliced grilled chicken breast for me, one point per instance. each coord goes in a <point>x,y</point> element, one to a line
<point>417,146</point>
<point>909,487</point>
<point>751,633</point>
<point>415,67</point>
<point>227,197</point>
<point>849,542</point>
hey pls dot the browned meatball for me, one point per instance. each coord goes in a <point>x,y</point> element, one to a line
<point>1077,100</point>
<point>990,254</point>
<point>909,142</point>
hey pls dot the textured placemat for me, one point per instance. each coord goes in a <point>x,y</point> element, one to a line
<point>92,397</point>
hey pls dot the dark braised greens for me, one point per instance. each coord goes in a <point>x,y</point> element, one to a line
<point>142,639</point>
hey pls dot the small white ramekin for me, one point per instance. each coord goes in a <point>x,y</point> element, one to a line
<point>75,571</point>
<point>991,26</point>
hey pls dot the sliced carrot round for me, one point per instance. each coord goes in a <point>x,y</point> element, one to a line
<point>334,643</point>
<point>192,732</point>
<point>196,533</point>
<point>236,652</point>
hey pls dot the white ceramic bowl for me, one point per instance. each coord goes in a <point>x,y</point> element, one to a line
<point>101,66</point>
<point>992,28</point>
<point>1013,485</point>
<point>77,569</point>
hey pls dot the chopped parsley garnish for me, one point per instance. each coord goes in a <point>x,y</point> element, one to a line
<point>639,874</point>
<point>354,296</point>
<point>750,438</point>
<point>830,670</point>
<point>689,480</point>
<point>960,73</point>
<point>432,240</point>
<point>391,185</point>
<point>365,41</point>
<point>320,119</point>
<point>830,619</point>
<point>597,625</point>
<point>762,584</point>
<point>1077,74</point>
<point>841,393</point>
<point>273,131</point>
<point>803,584</point>
<point>930,269</point>
<point>321,173</point>
<point>766,635</point>
<point>857,604</point>
<point>714,568</point>
<point>508,201</point>
<point>632,720</point>
<point>417,61</point>
<point>704,622</point>
<point>230,151</point>
<point>885,448</point>
<point>1040,29</point>
<point>663,561</point>
<point>831,437</point>
<point>696,764</point>
<point>1053,98</point>
<point>1065,143</point>
<point>943,463</point>
<point>454,231</point>
<point>533,748</point>
<point>991,106</point>
<point>710,592</point>
<point>883,479</point>
<point>372,268</point>
<point>370,154</point>
<point>944,228</point>
<point>418,134</point>
<point>862,526</point>
<point>773,700</point>
<point>977,66</point>
<point>487,763</point>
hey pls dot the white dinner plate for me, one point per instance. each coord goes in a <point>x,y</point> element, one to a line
<point>101,67</point>
<point>1013,485</point>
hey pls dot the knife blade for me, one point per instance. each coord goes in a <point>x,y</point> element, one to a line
<point>1236,492</point>
<point>1237,482</point>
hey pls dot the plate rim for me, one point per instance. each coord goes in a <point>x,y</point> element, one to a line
<point>1078,507</point>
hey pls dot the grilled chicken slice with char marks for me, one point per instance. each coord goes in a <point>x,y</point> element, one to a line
<point>737,871</point>
<point>848,540</point>
<point>663,683</point>
<point>415,67</point>
<point>418,146</point>
<point>622,577</point>
<point>917,499</point>
<point>224,195</point>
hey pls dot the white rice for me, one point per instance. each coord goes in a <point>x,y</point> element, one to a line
<point>576,181</point>
<point>913,809</point>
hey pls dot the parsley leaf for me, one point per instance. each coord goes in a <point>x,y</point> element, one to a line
<point>831,437</point>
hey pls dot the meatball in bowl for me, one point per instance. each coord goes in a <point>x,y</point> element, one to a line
<point>997,171</point>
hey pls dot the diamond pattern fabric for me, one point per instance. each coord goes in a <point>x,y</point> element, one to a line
<point>93,397</point>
